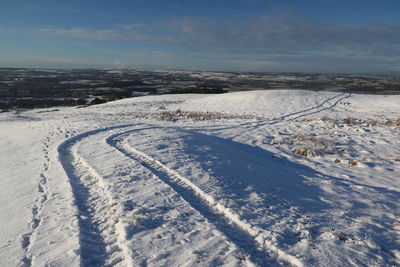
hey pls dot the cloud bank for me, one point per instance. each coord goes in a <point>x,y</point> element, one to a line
<point>283,34</point>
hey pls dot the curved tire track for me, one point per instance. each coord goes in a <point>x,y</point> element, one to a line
<point>255,241</point>
<point>101,222</point>
<point>99,213</point>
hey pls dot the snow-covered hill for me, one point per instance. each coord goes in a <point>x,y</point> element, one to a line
<point>264,178</point>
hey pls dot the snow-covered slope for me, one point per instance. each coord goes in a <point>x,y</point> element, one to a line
<point>261,103</point>
<point>262,178</point>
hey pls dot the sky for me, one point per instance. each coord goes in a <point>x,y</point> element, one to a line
<point>340,36</point>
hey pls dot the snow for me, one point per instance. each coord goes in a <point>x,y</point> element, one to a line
<point>260,103</point>
<point>260,178</point>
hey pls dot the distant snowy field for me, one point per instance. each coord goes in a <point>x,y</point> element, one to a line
<point>261,178</point>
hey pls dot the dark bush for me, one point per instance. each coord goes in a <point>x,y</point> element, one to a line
<point>97,101</point>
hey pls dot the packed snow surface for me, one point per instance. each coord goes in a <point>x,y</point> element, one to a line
<point>261,178</point>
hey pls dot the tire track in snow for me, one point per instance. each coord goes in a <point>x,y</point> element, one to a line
<point>313,110</point>
<point>29,238</point>
<point>101,222</point>
<point>256,242</point>
<point>248,126</point>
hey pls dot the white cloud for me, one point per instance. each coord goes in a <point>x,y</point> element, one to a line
<point>283,34</point>
<point>95,35</point>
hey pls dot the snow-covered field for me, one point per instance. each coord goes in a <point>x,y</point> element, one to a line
<point>262,178</point>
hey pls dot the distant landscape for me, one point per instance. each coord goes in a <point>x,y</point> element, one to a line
<point>38,88</point>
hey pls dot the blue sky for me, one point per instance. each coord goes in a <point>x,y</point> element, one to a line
<point>237,35</point>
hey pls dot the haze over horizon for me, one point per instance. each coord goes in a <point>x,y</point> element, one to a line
<point>238,35</point>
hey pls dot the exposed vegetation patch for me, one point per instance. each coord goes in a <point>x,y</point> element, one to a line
<point>353,163</point>
<point>196,116</point>
<point>309,145</point>
<point>337,122</point>
<point>373,123</point>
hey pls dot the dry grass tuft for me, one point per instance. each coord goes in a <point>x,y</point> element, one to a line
<point>353,162</point>
<point>310,145</point>
<point>348,120</point>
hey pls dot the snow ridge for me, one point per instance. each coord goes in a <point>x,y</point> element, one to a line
<point>263,238</point>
